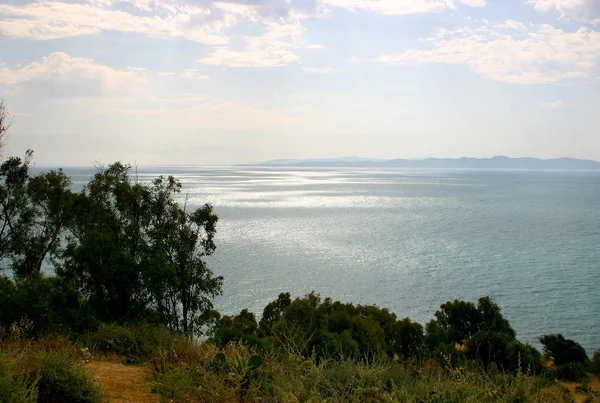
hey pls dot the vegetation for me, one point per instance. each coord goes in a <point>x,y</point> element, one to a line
<point>118,251</point>
<point>44,371</point>
<point>119,268</point>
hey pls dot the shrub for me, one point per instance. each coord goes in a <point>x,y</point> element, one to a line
<point>139,340</point>
<point>572,371</point>
<point>239,328</point>
<point>461,319</point>
<point>563,351</point>
<point>61,381</point>
<point>507,354</point>
<point>13,388</point>
<point>48,304</point>
<point>595,363</point>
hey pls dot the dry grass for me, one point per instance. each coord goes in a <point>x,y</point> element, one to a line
<point>579,396</point>
<point>122,383</point>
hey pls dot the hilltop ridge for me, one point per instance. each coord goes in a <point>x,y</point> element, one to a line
<point>497,162</point>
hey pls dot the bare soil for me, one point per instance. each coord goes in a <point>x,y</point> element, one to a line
<point>122,383</point>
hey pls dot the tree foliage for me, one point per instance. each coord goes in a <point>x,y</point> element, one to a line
<point>563,351</point>
<point>34,210</point>
<point>137,254</point>
<point>460,320</point>
<point>119,250</point>
<point>327,328</point>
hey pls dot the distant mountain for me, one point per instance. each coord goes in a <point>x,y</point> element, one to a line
<point>499,162</point>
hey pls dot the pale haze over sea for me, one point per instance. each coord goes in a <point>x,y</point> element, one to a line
<point>408,240</point>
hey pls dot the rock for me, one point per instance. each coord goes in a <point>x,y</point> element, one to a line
<point>86,353</point>
<point>131,361</point>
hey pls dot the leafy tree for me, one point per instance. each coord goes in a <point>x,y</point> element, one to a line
<point>333,329</point>
<point>273,312</point>
<point>408,338</point>
<point>507,353</point>
<point>303,326</point>
<point>137,254</point>
<point>491,320</point>
<point>461,320</point>
<point>563,351</point>
<point>104,252</point>
<point>34,213</point>
<point>177,277</point>
<point>239,328</point>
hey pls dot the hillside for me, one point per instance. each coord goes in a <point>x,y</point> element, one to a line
<point>498,162</point>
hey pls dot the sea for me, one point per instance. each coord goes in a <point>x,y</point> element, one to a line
<point>408,240</point>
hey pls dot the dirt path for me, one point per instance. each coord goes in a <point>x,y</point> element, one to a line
<point>581,397</point>
<point>122,383</point>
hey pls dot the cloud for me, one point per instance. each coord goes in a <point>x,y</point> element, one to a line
<point>60,75</point>
<point>202,21</point>
<point>193,74</point>
<point>580,10</point>
<point>512,52</point>
<point>46,20</point>
<point>319,70</point>
<point>272,48</point>
<point>402,7</point>
<point>553,104</point>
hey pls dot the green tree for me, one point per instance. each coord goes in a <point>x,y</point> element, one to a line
<point>179,281</point>
<point>273,312</point>
<point>240,328</point>
<point>137,254</point>
<point>34,213</point>
<point>104,253</point>
<point>460,320</point>
<point>563,351</point>
<point>408,338</point>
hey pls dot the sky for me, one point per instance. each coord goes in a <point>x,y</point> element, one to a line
<point>204,82</point>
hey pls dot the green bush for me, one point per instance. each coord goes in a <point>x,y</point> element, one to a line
<point>48,304</point>
<point>572,371</point>
<point>240,328</point>
<point>139,340</point>
<point>563,351</point>
<point>61,381</point>
<point>595,363</point>
<point>179,384</point>
<point>13,388</point>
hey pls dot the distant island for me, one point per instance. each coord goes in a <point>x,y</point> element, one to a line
<point>498,162</point>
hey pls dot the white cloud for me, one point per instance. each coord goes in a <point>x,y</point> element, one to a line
<point>203,21</point>
<point>273,48</point>
<point>319,70</point>
<point>402,7</point>
<point>512,52</point>
<point>193,74</point>
<point>473,3</point>
<point>45,20</point>
<point>60,75</point>
<point>581,10</point>
<point>553,104</point>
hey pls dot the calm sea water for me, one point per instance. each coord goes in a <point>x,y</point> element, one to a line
<point>410,240</point>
